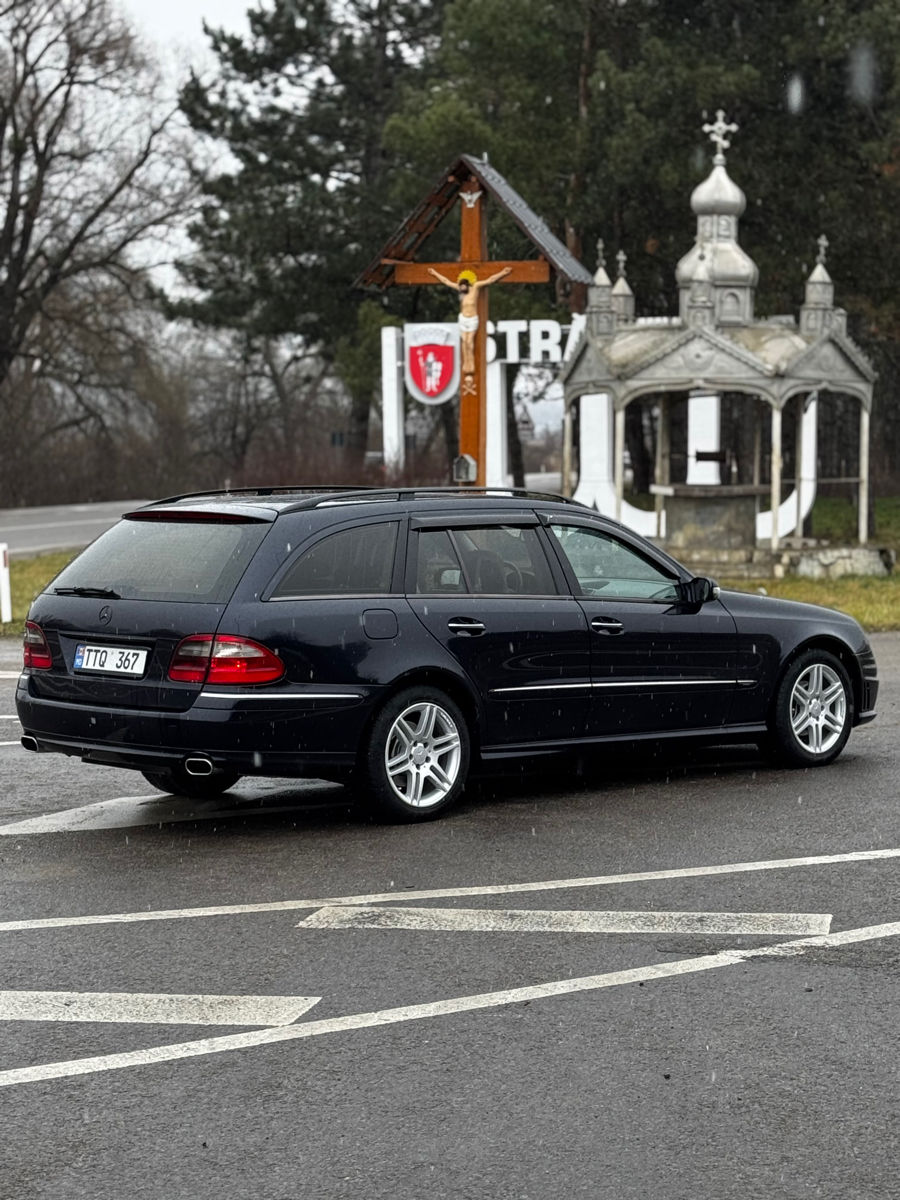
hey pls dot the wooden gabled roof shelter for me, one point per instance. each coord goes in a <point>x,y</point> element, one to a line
<point>472,181</point>
<point>390,266</point>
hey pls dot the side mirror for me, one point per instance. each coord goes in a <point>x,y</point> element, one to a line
<point>697,591</point>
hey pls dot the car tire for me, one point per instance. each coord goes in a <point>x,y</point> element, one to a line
<point>416,759</point>
<point>813,712</point>
<point>176,781</point>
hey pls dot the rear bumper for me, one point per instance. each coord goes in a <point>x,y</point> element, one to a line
<point>297,734</point>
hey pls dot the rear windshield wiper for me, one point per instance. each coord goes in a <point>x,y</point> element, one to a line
<point>99,593</point>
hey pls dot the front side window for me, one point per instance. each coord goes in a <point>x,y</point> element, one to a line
<point>357,562</point>
<point>606,567</point>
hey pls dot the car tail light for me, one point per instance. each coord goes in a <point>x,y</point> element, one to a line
<point>36,651</point>
<point>203,658</point>
<point>190,662</point>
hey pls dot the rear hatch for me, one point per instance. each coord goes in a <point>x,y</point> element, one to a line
<point>113,617</point>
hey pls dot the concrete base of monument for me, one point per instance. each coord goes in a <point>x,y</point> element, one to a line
<point>808,561</point>
<point>698,516</point>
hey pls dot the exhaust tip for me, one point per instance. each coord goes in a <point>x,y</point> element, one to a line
<point>30,743</point>
<point>198,766</point>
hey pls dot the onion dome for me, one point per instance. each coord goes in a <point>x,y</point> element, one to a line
<point>718,203</point>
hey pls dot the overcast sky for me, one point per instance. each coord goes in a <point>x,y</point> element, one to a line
<point>176,26</point>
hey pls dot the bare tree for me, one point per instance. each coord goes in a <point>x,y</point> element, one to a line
<point>90,179</point>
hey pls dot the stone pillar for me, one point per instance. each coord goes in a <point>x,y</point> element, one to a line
<point>663,465</point>
<point>566,482</point>
<point>776,474</point>
<point>798,471</point>
<point>497,449</point>
<point>393,433</point>
<point>619,459</point>
<point>595,442</point>
<point>704,434</point>
<point>863,475</point>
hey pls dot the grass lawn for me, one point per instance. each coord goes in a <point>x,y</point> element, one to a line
<point>874,602</point>
<point>27,576</point>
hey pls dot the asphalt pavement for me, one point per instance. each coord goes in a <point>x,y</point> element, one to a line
<point>632,976</point>
<point>28,531</point>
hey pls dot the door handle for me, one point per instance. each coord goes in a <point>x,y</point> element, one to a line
<point>465,625</point>
<point>607,625</point>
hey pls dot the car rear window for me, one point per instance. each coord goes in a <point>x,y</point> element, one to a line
<point>192,561</point>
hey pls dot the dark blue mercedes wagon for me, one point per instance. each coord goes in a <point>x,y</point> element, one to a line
<point>396,638</point>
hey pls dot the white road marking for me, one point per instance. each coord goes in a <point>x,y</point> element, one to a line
<point>10,674</point>
<point>28,526</point>
<point>132,812</point>
<point>153,1008</point>
<point>15,743</point>
<point>503,889</point>
<point>481,920</point>
<point>8,717</point>
<point>439,1008</point>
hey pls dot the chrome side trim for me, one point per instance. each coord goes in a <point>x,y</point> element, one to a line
<point>281,696</point>
<point>628,683</point>
<point>540,687</point>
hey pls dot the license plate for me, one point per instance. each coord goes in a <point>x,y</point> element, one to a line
<point>110,660</point>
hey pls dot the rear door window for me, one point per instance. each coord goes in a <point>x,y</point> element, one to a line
<point>494,560</point>
<point>438,568</point>
<point>181,560</point>
<point>357,561</point>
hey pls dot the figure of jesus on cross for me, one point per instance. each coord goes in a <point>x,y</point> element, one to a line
<point>473,273</point>
<point>468,286</point>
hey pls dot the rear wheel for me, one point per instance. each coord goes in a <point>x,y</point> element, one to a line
<point>416,760</point>
<point>178,782</point>
<point>813,710</point>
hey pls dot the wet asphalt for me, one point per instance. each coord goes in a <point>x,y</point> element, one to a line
<point>764,1076</point>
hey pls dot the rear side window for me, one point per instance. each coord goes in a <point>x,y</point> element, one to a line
<point>356,562</point>
<point>189,561</point>
<point>494,560</point>
<point>437,565</point>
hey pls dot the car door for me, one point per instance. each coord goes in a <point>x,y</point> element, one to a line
<point>485,589</point>
<point>657,665</point>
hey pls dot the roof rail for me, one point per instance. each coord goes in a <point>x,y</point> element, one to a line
<point>437,492</point>
<point>320,495</point>
<point>281,489</point>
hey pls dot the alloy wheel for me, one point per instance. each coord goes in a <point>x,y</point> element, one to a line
<point>423,753</point>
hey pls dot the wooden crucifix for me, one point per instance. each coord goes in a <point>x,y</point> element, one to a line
<point>470,277</point>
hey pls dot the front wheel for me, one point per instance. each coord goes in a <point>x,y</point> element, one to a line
<point>416,759</point>
<point>198,787</point>
<point>813,711</point>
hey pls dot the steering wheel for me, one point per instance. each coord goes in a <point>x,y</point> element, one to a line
<point>513,576</point>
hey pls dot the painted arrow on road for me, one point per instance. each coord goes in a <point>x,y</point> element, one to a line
<point>154,1008</point>
<point>511,920</point>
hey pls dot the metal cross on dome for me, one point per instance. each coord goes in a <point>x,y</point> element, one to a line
<point>717,133</point>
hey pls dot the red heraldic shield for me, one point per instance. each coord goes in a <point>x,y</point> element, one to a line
<point>431,362</point>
